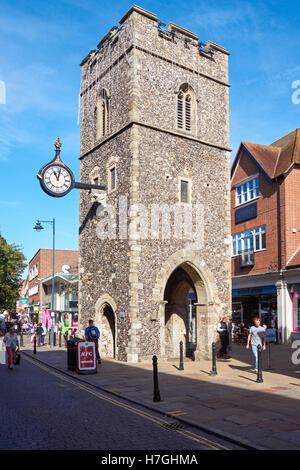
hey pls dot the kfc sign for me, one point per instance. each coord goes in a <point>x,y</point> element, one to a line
<point>86,357</point>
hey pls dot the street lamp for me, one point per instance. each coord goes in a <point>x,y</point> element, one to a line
<point>38,227</point>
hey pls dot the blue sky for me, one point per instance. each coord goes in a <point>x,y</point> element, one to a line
<point>42,44</point>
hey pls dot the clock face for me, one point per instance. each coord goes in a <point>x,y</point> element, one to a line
<point>57,180</point>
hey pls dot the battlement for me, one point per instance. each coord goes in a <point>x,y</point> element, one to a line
<point>139,67</point>
<point>140,27</point>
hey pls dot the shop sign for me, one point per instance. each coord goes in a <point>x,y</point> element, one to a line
<point>255,290</point>
<point>86,356</point>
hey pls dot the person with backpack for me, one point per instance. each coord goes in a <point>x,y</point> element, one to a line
<point>93,334</point>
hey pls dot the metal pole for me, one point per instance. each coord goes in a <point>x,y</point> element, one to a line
<point>181,356</point>
<point>214,362</point>
<point>52,297</point>
<point>156,395</point>
<point>21,339</point>
<point>34,344</point>
<point>269,356</point>
<point>259,370</point>
<point>59,339</point>
<point>41,300</point>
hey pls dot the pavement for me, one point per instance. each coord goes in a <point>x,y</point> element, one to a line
<point>265,415</point>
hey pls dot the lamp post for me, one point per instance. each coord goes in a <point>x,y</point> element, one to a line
<point>38,227</point>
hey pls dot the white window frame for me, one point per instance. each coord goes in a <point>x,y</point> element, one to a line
<point>245,190</point>
<point>245,240</point>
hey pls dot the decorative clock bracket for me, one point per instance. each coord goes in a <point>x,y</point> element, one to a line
<point>57,180</point>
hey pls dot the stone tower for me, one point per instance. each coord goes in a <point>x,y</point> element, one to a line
<point>155,247</point>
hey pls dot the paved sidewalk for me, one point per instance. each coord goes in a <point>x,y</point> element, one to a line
<point>265,414</point>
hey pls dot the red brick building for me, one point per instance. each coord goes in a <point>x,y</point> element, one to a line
<point>40,268</point>
<point>265,202</point>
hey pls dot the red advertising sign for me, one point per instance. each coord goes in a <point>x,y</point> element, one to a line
<point>86,357</point>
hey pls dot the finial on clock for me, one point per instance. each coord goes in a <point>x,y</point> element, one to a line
<point>57,143</point>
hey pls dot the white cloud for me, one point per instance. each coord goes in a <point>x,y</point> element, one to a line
<point>10,203</point>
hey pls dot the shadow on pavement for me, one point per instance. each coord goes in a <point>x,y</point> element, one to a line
<point>235,404</point>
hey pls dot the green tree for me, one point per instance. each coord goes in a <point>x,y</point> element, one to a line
<point>12,265</point>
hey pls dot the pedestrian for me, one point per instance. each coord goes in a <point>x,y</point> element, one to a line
<point>11,343</point>
<point>234,332</point>
<point>65,328</point>
<point>223,331</point>
<point>2,328</point>
<point>43,335</point>
<point>93,334</point>
<point>39,332</point>
<point>256,337</point>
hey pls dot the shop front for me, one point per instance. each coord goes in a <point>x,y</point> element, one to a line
<point>250,302</point>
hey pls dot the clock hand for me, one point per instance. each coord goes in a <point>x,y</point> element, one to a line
<point>57,174</point>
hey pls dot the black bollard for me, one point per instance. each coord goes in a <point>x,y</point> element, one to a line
<point>181,356</point>
<point>49,337</point>
<point>259,370</point>
<point>156,395</point>
<point>34,344</point>
<point>21,339</point>
<point>54,339</point>
<point>59,339</point>
<point>214,358</point>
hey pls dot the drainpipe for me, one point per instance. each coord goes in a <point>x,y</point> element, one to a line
<point>279,227</point>
<point>282,328</point>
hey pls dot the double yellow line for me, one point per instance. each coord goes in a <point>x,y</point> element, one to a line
<point>161,422</point>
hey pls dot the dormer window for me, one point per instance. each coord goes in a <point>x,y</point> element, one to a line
<point>247,190</point>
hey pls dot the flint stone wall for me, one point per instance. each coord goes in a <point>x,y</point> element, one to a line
<point>142,70</point>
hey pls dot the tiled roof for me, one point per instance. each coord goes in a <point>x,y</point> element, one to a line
<point>275,159</point>
<point>289,146</point>
<point>265,155</point>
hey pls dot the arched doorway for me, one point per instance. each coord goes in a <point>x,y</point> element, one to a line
<point>108,333</point>
<point>106,321</point>
<point>185,301</point>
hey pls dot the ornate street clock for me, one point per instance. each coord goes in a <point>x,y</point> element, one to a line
<point>57,180</point>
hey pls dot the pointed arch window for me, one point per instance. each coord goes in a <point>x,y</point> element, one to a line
<point>186,108</point>
<point>102,115</point>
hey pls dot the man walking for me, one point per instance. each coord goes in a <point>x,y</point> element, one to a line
<point>43,335</point>
<point>93,334</point>
<point>256,335</point>
<point>39,332</point>
<point>224,337</point>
